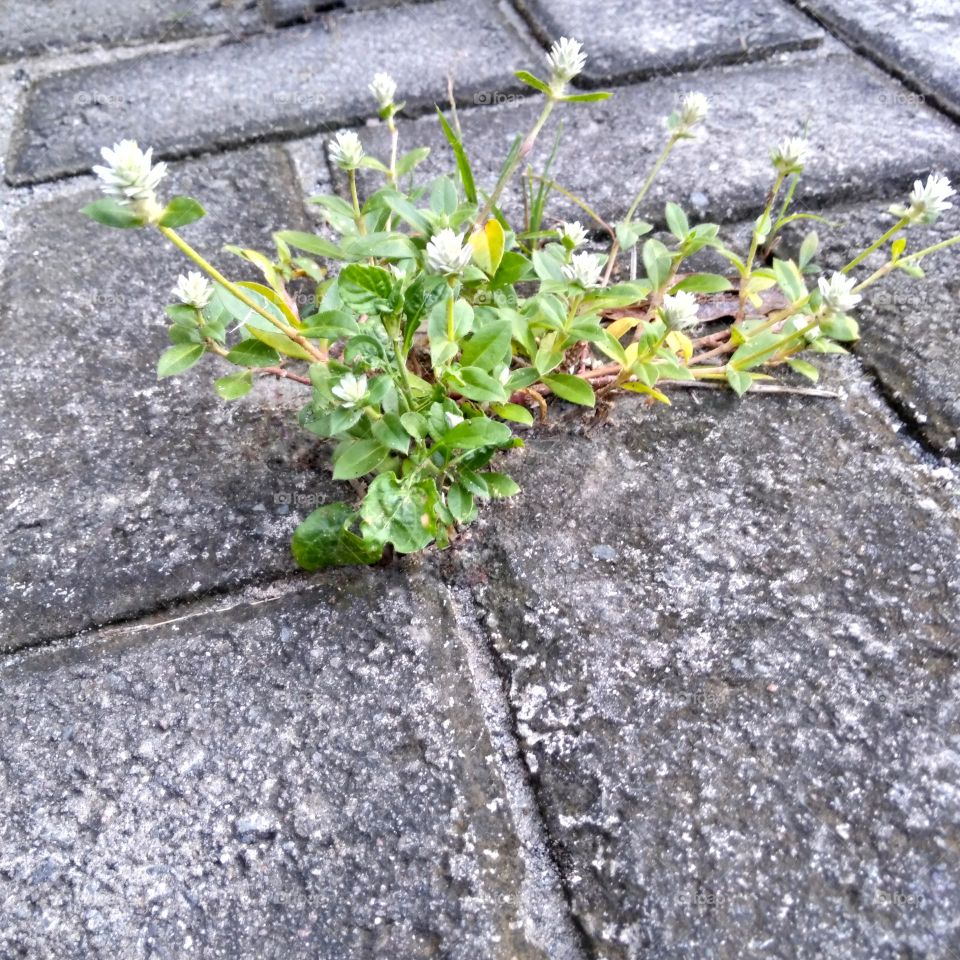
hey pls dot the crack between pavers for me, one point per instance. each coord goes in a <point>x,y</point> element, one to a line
<point>862,48</point>
<point>558,930</point>
<point>177,609</point>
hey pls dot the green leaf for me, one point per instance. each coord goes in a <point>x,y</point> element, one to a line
<point>703,283</point>
<point>391,432</point>
<point>311,243</point>
<point>586,97</point>
<point>405,210</point>
<point>463,163</point>
<point>571,388</point>
<point>366,289</point>
<point>513,412</point>
<point>112,214</point>
<point>804,368</point>
<point>630,231</point>
<point>808,249</point>
<point>656,261</point>
<point>840,327</point>
<point>180,211</point>
<point>739,380</point>
<point>789,279</point>
<point>324,540</point>
<point>500,485</point>
<point>355,458</point>
<point>253,353</point>
<point>178,358</point>
<point>488,347</point>
<point>399,513</point>
<point>477,384</point>
<point>330,325</point>
<point>531,81</point>
<point>410,159</point>
<point>478,432</point>
<point>677,221</point>
<point>461,503</point>
<point>383,246</point>
<point>234,386</point>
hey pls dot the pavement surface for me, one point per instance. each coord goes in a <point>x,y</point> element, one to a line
<point>693,694</point>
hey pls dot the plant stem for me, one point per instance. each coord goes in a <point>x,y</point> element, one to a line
<point>526,148</point>
<point>241,294</point>
<point>357,216</point>
<point>896,228</point>
<point>638,199</point>
<point>755,243</point>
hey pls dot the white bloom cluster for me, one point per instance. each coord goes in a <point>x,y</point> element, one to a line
<point>584,269</point>
<point>447,253</point>
<point>566,59</point>
<point>194,289</point>
<point>346,151</point>
<point>679,310</point>
<point>131,178</point>
<point>791,155</point>
<point>837,293</point>
<point>351,390</point>
<point>572,233</point>
<point>384,89</point>
<point>694,108</point>
<point>927,200</point>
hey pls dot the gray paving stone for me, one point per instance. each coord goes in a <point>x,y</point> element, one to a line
<point>119,492</point>
<point>729,632</point>
<point>608,148</point>
<point>40,26</point>
<point>304,778</point>
<point>919,39</point>
<point>290,82</point>
<point>909,327</point>
<point>626,39</point>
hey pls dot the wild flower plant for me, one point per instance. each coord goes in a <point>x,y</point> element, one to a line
<point>437,326</point>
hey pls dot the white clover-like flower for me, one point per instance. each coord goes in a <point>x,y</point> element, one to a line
<point>837,293</point>
<point>694,108</point>
<point>583,268</point>
<point>927,200</point>
<point>566,59</point>
<point>346,151</point>
<point>447,253</point>
<point>384,89</point>
<point>351,390</point>
<point>194,289</point>
<point>131,178</point>
<point>573,233</point>
<point>453,419</point>
<point>791,155</point>
<point>679,310</point>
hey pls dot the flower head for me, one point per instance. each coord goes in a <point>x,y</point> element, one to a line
<point>584,269</point>
<point>453,419</point>
<point>679,310</point>
<point>927,200</point>
<point>346,151</point>
<point>131,178</point>
<point>837,293</point>
<point>194,289</point>
<point>447,253</point>
<point>384,89</point>
<point>790,155</point>
<point>351,390</point>
<point>565,59</point>
<point>572,234</point>
<point>694,108</point>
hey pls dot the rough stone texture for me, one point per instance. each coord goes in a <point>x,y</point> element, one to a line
<point>292,82</point>
<point>919,39</point>
<point>39,26</point>
<point>629,40</point>
<point>730,633</point>
<point>726,175</point>
<point>909,327</point>
<point>304,778</point>
<point>118,491</point>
